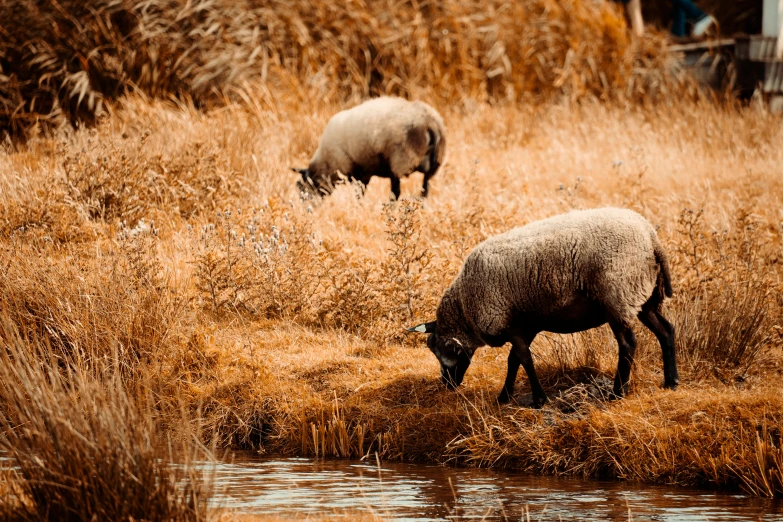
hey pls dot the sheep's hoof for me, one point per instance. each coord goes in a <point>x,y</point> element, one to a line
<point>671,385</point>
<point>616,395</point>
<point>538,402</point>
<point>527,401</point>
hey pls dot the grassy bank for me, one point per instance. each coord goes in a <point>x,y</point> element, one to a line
<point>171,243</point>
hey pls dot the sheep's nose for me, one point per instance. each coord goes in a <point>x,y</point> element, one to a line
<point>448,380</point>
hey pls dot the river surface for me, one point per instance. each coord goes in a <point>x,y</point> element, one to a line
<point>398,491</point>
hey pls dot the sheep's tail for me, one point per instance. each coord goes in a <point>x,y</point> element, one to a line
<point>438,139</point>
<point>663,262</point>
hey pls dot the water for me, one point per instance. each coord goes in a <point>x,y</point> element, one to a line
<point>301,487</point>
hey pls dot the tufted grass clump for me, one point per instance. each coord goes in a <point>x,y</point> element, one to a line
<point>724,309</point>
<point>114,310</point>
<point>82,446</point>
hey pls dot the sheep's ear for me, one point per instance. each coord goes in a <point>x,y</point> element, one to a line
<point>423,328</point>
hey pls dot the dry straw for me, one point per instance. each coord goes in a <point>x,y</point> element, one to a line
<point>189,275</point>
<point>82,448</point>
<point>66,59</point>
<point>278,324</point>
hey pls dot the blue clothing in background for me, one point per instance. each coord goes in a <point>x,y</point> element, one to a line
<point>684,11</point>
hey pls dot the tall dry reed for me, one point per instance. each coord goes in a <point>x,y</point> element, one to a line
<point>67,59</point>
<point>120,309</point>
<point>82,447</point>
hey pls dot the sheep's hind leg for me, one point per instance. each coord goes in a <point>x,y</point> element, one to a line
<point>664,332</point>
<point>626,342</point>
<point>425,186</point>
<point>520,354</point>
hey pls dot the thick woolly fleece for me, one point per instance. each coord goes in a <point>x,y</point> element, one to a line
<point>387,137</point>
<point>606,258</point>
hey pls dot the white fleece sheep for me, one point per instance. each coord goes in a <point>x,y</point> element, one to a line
<point>384,137</point>
<point>564,274</point>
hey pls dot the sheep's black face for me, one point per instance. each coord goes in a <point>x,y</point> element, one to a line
<point>454,360</point>
<point>306,184</point>
<point>311,185</point>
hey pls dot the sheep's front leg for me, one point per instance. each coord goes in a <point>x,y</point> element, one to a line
<point>520,354</point>
<point>511,376</point>
<point>626,342</point>
<point>395,187</point>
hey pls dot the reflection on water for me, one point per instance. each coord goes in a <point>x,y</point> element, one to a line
<point>290,486</point>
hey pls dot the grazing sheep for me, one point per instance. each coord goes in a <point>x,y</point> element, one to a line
<point>564,274</point>
<point>384,137</point>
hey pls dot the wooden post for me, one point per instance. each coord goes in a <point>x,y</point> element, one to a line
<point>779,47</point>
<point>634,9</point>
<point>769,17</point>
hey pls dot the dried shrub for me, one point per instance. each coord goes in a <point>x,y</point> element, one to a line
<point>353,299</point>
<point>274,266</point>
<point>408,259</point>
<point>121,179</point>
<point>267,266</point>
<point>722,310</point>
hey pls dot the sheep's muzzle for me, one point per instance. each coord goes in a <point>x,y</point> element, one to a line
<point>452,376</point>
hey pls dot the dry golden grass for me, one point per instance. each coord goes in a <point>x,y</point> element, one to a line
<point>360,517</point>
<point>193,267</point>
<point>63,61</point>
<point>160,276</point>
<point>81,446</point>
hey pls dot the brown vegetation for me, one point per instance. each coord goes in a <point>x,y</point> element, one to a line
<point>279,323</point>
<point>159,271</point>
<point>81,446</point>
<point>64,60</point>
<point>353,515</point>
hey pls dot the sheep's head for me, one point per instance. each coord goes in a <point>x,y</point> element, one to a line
<point>311,184</point>
<point>454,358</point>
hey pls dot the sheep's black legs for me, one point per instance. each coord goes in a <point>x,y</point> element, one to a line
<point>361,187</point>
<point>425,184</point>
<point>395,187</point>
<point>511,376</point>
<point>520,354</point>
<point>626,342</point>
<point>434,166</point>
<point>664,331</point>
